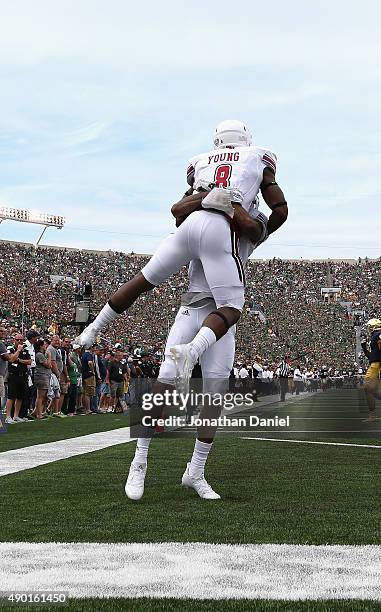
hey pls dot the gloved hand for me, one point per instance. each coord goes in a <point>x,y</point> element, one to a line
<point>219,199</point>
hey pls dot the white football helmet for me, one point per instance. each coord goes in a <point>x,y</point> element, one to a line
<point>231,133</point>
<point>373,325</point>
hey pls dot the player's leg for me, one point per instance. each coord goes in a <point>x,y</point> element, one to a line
<point>171,255</point>
<point>216,364</point>
<point>183,329</point>
<point>372,390</point>
<point>218,252</point>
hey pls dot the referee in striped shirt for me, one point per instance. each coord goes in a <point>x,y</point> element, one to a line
<point>283,372</point>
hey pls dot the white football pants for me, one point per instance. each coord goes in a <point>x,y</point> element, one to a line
<point>208,237</point>
<point>217,361</point>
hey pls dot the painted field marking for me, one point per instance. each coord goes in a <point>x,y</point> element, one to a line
<point>28,457</point>
<point>312,441</point>
<point>193,570</point>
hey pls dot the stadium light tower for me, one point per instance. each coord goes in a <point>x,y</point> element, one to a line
<point>27,216</point>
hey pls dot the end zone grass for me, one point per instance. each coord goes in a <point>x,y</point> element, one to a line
<point>272,492</point>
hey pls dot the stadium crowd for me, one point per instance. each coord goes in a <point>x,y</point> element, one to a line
<point>284,314</point>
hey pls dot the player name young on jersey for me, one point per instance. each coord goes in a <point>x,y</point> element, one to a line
<point>220,157</point>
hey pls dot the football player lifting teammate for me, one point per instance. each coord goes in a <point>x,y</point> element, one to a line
<point>223,186</point>
<point>216,362</point>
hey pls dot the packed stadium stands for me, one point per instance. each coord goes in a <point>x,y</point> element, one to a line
<point>292,319</point>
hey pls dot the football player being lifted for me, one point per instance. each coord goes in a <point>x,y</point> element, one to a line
<point>372,386</point>
<point>223,184</point>
<point>216,362</point>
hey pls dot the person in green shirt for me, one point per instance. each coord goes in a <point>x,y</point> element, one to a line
<point>73,373</point>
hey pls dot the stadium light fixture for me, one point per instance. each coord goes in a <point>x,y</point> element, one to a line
<point>28,216</point>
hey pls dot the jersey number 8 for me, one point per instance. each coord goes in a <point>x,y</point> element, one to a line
<point>222,175</point>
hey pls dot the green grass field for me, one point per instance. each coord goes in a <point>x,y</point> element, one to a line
<point>272,492</point>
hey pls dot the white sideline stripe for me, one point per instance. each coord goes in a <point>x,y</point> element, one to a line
<point>193,570</point>
<point>29,457</point>
<point>312,442</point>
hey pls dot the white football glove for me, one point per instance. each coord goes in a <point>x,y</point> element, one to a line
<point>87,337</point>
<point>219,199</point>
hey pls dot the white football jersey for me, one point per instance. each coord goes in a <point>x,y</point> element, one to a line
<point>239,169</point>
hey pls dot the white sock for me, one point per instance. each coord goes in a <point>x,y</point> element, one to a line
<point>199,457</point>
<point>202,341</point>
<point>141,451</point>
<point>106,316</point>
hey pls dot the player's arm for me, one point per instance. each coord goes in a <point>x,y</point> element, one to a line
<point>245,225</point>
<point>190,201</point>
<point>274,198</point>
<point>188,204</point>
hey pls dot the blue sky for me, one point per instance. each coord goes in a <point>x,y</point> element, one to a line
<point>102,104</point>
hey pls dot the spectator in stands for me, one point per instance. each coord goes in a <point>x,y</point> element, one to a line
<point>3,365</point>
<point>75,356</point>
<point>73,372</point>
<point>64,377</point>
<point>133,375</point>
<point>56,366</point>
<point>298,380</point>
<point>42,373</point>
<point>88,380</point>
<point>266,380</point>
<point>100,371</point>
<point>30,396</point>
<point>117,377</point>
<point>18,361</point>
<point>296,317</point>
<point>105,399</point>
<point>243,375</point>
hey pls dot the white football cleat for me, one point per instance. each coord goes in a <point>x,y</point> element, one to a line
<point>135,482</point>
<point>87,337</point>
<point>184,362</point>
<point>199,484</point>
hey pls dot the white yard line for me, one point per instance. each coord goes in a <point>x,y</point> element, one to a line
<point>29,457</point>
<point>193,570</point>
<point>311,441</point>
